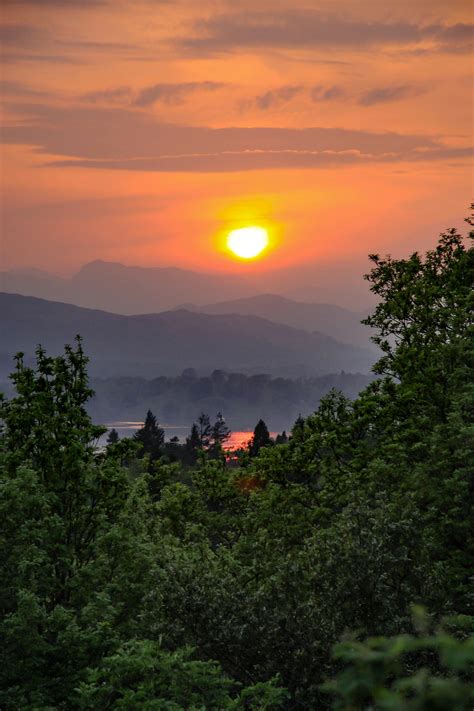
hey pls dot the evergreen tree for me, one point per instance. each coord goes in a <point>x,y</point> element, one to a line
<point>205,430</point>
<point>220,433</point>
<point>261,438</point>
<point>113,436</point>
<point>281,438</point>
<point>193,445</point>
<point>151,436</point>
<point>297,431</point>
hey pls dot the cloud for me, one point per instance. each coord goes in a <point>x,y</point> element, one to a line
<point>173,93</point>
<point>277,97</point>
<point>122,139</point>
<point>311,29</point>
<point>13,57</point>
<point>113,95</point>
<point>330,93</point>
<point>383,95</point>
<point>239,161</point>
<point>15,34</point>
<point>13,88</point>
<point>56,3</point>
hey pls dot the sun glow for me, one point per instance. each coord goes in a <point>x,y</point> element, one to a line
<point>247,242</point>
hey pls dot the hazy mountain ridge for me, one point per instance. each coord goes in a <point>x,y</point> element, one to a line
<point>167,342</point>
<point>128,290</point>
<point>335,321</point>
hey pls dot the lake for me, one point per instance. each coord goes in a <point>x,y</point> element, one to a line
<point>127,429</point>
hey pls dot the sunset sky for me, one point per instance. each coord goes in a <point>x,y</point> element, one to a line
<point>142,132</point>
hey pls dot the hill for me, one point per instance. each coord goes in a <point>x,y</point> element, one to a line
<point>127,290</point>
<point>167,342</point>
<point>336,321</point>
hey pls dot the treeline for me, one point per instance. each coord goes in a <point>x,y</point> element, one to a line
<point>330,572</point>
<point>243,398</point>
<point>204,439</point>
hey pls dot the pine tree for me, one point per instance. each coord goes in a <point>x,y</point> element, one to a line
<point>220,433</point>
<point>204,430</point>
<point>113,436</point>
<point>261,438</point>
<point>281,438</point>
<point>151,436</point>
<point>193,445</point>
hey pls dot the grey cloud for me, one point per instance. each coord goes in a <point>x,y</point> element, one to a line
<point>461,32</point>
<point>12,57</point>
<point>382,95</point>
<point>13,88</point>
<point>172,93</point>
<point>15,34</point>
<point>259,160</point>
<point>114,95</point>
<point>277,97</point>
<point>123,139</point>
<point>322,93</point>
<point>309,28</point>
<point>56,3</point>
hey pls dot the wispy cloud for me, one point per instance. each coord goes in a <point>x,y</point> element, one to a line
<point>311,28</point>
<point>18,89</point>
<point>383,95</point>
<point>172,93</point>
<point>277,97</point>
<point>327,93</point>
<point>123,139</point>
<point>113,95</point>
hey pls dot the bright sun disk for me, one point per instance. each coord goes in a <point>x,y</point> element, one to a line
<point>247,242</point>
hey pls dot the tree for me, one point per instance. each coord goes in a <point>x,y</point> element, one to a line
<point>281,438</point>
<point>220,433</point>
<point>71,556</point>
<point>261,438</point>
<point>113,436</point>
<point>151,436</point>
<point>81,551</point>
<point>204,429</point>
<point>193,445</point>
<point>391,673</point>
<point>143,675</point>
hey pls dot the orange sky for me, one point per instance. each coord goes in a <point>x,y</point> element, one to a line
<point>140,131</point>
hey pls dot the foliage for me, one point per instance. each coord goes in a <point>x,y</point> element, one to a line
<point>141,675</point>
<point>396,674</point>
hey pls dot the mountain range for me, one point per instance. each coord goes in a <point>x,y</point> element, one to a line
<point>124,289</point>
<point>129,290</point>
<point>166,343</point>
<point>335,321</point>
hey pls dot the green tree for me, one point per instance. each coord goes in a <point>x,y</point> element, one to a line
<point>70,522</point>
<point>151,436</point>
<point>143,675</point>
<point>80,550</point>
<point>424,672</point>
<point>193,445</point>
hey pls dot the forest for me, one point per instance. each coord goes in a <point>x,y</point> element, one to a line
<point>243,398</point>
<point>329,571</point>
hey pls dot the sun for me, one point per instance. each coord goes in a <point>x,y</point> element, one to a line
<point>247,242</point>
